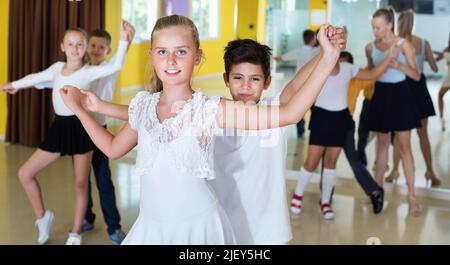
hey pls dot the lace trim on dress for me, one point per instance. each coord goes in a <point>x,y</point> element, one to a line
<point>188,136</point>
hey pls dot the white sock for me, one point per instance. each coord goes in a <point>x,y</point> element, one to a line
<point>303,181</point>
<point>328,182</point>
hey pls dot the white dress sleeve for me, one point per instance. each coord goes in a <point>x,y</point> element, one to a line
<point>38,78</point>
<point>138,109</point>
<point>208,113</point>
<point>114,66</point>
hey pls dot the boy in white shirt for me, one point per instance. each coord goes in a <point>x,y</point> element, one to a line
<point>250,165</point>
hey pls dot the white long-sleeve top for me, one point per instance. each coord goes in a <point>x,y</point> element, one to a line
<point>82,78</point>
<point>103,88</point>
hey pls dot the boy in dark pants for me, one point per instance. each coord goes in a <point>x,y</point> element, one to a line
<point>98,49</point>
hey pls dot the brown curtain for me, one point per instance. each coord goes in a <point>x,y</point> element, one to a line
<point>36,28</point>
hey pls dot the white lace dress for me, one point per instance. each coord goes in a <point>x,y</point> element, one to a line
<point>174,161</point>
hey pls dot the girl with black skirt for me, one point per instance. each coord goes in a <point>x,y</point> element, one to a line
<point>421,94</point>
<point>329,124</point>
<point>393,107</point>
<point>66,135</point>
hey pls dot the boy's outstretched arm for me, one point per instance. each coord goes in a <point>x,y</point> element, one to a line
<point>112,146</point>
<point>339,38</point>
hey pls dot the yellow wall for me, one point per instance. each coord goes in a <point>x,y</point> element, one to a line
<point>4,24</point>
<point>261,28</point>
<point>320,5</point>
<point>213,49</point>
<point>137,58</point>
<point>251,12</point>
<point>247,15</point>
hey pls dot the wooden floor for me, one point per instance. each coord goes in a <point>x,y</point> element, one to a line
<point>354,222</point>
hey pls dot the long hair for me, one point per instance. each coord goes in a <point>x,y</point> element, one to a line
<point>406,24</point>
<point>387,14</point>
<point>154,84</point>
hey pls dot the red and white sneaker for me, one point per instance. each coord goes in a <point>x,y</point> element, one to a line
<point>296,204</point>
<point>327,211</point>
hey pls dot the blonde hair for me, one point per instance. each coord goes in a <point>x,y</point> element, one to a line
<point>154,84</point>
<point>388,14</point>
<point>406,24</point>
<point>78,30</point>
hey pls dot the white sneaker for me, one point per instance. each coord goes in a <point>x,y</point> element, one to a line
<point>44,225</point>
<point>74,239</point>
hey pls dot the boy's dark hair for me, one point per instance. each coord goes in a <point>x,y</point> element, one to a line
<point>308,36</point>
<point>346,55</point>
<point>247,51</point>
<point>101,33</point>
